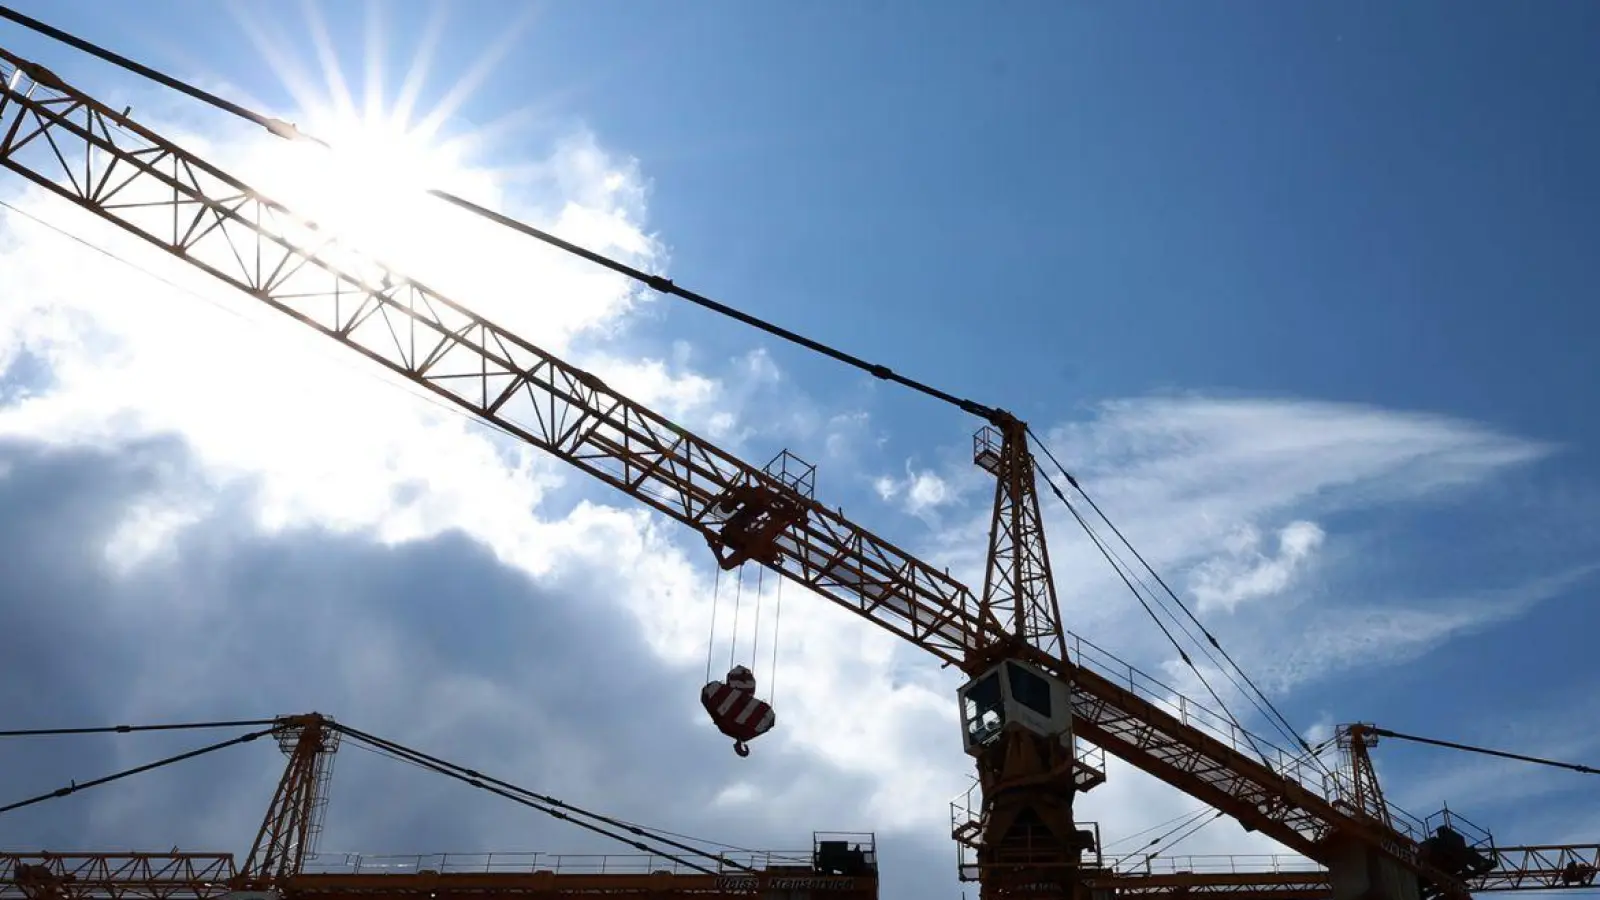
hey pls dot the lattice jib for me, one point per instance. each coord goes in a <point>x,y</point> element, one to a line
<point>117,876</point>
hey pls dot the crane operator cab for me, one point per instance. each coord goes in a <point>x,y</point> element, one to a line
<point>1014,695</point>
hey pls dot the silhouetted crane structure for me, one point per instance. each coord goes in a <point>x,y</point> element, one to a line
<point>1039,705</point>
<point>282,863</point>
<point>666,866</point>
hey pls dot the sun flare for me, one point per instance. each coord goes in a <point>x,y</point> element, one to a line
<point>388,130</point>
<point>369,184</point>
<point>377,152</point>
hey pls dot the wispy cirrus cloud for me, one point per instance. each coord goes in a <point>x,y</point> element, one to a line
<point>1259,507</point>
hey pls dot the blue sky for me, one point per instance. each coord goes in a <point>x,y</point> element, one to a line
<point>1297,289</point>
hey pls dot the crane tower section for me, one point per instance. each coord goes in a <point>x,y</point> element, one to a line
<point>1017,716</point>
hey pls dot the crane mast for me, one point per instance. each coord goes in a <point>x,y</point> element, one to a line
<point>294,819</point>
<point>1017,716</point>
<point>1018,588</point>
<point>1032,688</point>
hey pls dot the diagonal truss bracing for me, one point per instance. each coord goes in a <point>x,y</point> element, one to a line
<point>115,876</point>
<point>1553,867</point>
<point>75,147</point>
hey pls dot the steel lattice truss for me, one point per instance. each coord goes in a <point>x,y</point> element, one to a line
<point>1545,866</point>
<point>114,876</point>
<point>75,147</point>
<point>1017,584</point>
<point>1527,868</point>
<point>206,876</point>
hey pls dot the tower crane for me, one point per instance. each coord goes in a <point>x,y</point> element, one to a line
<point>1035,697</point>
<point>843,865</point>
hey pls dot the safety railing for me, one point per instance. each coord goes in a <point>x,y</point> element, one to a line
<point>1219,864</point>
<point>966,809</point>
<point>1294,765</point>
<point>559,863</point>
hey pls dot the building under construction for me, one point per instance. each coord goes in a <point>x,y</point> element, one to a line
<point>1039,707</point>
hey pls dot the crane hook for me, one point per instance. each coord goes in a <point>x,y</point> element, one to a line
<point>741,748</point>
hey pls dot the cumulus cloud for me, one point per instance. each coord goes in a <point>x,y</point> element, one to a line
<point>258,519</point>
<point>558,689</point>
<point>1248,573</point>
<point>922,492</point>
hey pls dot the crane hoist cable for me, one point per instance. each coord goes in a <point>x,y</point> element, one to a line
<point>74,786</point>
<point>129,729</point>
<point>1182,653</point>
<point>1137,583</point>
<point>1178,821</point>
<point>738,602</point>
<point>1171,838</point>
<point>290,132</point>
<point>755,626</point>
<point>1271,711</point>
<point>550,806</point>
<point>716,603</point>
<point>732,701</point>
<point>1503,754</point>
<point>777,629</point>
<point>410,758</point>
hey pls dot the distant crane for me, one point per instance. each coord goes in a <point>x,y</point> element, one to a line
<point>844,865</point>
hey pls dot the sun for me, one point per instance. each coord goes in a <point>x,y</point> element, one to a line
<point>369,184</point>
<point>366,176</point>
<point>388,137</point>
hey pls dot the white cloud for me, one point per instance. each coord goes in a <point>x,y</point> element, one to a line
<point>922,492</point>
<point>1358,634</point>
<point>846,433</point>
<point>1193,482</point>
<point>1246,573</point>
<point>288,442</point>
<point>341,443</point>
